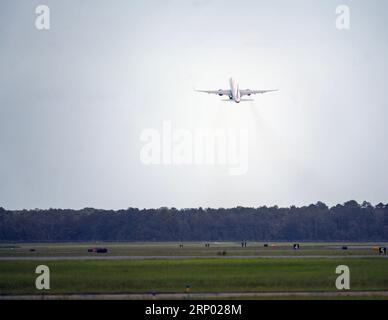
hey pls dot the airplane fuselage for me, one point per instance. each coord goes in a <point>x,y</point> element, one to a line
<point>234,88</point>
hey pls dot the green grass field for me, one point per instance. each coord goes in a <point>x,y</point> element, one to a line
<point>218,274</point>
<point>203,275</point>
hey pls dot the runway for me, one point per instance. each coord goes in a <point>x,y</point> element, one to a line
<point>59,258</point>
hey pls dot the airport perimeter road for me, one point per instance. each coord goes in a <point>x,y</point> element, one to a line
<point>204,295</point>
<point>57,258</point>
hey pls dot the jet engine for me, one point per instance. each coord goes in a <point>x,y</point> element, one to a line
<point>220,92</point>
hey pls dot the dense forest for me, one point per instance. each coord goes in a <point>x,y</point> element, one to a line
<point>348,222</point>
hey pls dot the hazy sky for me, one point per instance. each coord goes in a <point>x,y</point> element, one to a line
<point>75,99</point>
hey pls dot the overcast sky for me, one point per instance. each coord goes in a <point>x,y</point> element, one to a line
<point>75,99</point>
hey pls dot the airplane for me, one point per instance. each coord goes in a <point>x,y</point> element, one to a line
<point>234,93</point>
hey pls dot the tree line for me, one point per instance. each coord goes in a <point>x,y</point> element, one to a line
<point>350,221</point>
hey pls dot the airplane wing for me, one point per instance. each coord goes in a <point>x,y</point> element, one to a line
<point>248,92</point>
<point>219,92</point>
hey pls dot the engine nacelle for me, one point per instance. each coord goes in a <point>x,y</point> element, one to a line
<point>220,92</point>
<point>249,92</point>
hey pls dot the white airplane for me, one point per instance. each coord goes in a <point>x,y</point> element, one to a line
<point>234,93</point>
